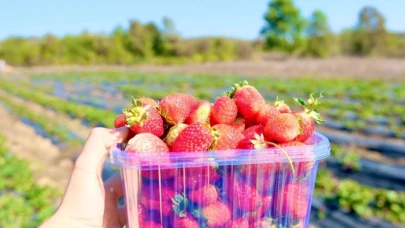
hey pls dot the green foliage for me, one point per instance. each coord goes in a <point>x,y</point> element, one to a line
<point>361,200</point>
<point>370,36</point>
<point>320,39</point>
<point>22,202</point>
<point>284,26</point>
<point>141,43</point>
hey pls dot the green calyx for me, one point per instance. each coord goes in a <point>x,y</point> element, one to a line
<point>236,87</point>
<point>180,204</point>
<point>310,105</point>
<point>260,143</point>
<point>136,114</point>
<point>278,102</point>
<point>214,133</point>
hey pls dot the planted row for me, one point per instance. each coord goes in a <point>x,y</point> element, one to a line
<point>93,115</point>
<point>51,127</point>
<point>23,203</point>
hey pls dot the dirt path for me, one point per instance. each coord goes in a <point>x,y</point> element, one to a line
<point>48,168</point>
<point>339,67</point>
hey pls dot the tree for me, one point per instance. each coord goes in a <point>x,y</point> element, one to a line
<point>320,38</point>
<point>140,40</point>
<point>284,26</point>
<point>370,36</point>
<point>157,38</point>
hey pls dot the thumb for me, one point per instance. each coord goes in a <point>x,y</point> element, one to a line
<point>96,147</point>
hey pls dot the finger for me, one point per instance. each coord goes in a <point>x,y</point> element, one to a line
<point>96,147</point>
<point>113,187</point>
<point>122,213</point>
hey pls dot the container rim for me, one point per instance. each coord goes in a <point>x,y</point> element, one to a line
<point>317,148</point>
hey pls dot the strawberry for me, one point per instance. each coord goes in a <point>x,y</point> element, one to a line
<point>147,143</point>
<point>143,118</point>
<point>195,137</point>
<point>243,196</point>
<point>196,177</point>
<point>292,200</point>
<point>214,215</point>
<point>121,122</point>
<point>173,133</point>
<point>239,124</point>
<point>224,110</point>
<point>266,112</point>
<point>149,101</point>
<point>282,129</point>
<point>307,116</point>
<point>200,113</point>
<point>281,106</point>
<point>175,108</point>
<point>265,207</point>
<point>159,198</point>
<point>250,121</point>
<point>227,139</point>
<point>247,99</point>
<point>249,136</point>
<point>239,223</point>
<point>186,221</point>
<point>204,196</point>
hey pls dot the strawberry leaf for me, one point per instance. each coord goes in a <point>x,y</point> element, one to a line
<point>180,203</point>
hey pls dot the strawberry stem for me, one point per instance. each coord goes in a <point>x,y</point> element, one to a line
<point>236,87</point>
<point>285,153</point>
<point>310,105</point>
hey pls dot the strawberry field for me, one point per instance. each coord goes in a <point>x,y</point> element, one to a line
<point>44,119</point>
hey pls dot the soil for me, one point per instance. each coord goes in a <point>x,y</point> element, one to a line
<point>269,65</point>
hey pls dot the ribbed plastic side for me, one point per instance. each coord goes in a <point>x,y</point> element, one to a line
<point>229,196</point>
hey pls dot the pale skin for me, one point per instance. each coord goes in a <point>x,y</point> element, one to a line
<point>88,202</point>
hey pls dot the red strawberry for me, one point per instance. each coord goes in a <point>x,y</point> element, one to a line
<point>195,137</point>
<point>242,195</point>
<point>250,140</point>
<point>175,108</point>
<point>265,206</point>
<point>214,215</point>
<point>204,196</point>
<point>144,118</point>
<point>282,129</point>
<point>239,223</point>
<point>121,122</point>
<point>293,199</point>
<point>224,110</point>
<point>239,124</point>
<point>149,101</point>
<point>281,106</point>
<point>186,221</point>
<point>147,143</point>
<point>174,133</point>
<point>159,198</point>
<point>247,99</point>
<point>196,177</point>
<point>306,117</point>
<point>250,121</point>
<point>200,113</point>
<point>266,112</point>
<point>228,138</point>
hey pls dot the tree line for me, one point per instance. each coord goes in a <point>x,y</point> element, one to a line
<point>285,30</point>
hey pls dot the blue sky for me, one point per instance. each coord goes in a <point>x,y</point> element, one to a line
<point>229,18</point>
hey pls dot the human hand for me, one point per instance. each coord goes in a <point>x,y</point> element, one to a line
<point>88,202</point>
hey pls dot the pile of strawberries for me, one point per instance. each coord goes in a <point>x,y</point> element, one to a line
<point>220,196</point>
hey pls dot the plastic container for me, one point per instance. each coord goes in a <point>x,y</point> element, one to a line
<point>235,188</point>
